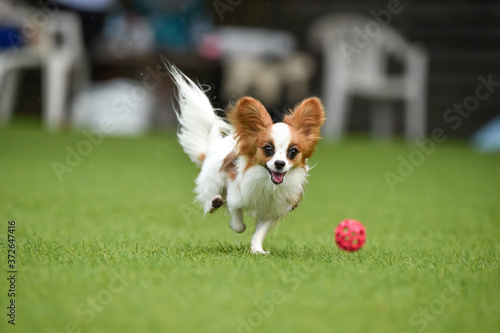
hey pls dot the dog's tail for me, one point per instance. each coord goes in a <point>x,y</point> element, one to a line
<point>199,125</point>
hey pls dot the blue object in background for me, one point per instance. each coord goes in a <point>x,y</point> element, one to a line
<point>10,37</point>
<point>487,139</point>
<point>171,30</point>
<point>176,23</point>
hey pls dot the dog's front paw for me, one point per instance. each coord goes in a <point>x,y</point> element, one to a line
<point>259,250</point>
<point>217,202</point>
<point>237,226</point>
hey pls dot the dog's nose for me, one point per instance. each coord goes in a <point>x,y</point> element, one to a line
<point>279,164</point>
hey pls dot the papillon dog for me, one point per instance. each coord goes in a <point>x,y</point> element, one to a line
<point>247,163</point>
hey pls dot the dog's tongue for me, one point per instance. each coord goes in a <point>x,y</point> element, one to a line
<point>277,177</point>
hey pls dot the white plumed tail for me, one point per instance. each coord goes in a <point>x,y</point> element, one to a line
<point>199,125</point>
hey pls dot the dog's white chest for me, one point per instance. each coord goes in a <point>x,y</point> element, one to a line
<point>254,192</point>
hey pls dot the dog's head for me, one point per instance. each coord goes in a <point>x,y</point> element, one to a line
<point>277,147</point>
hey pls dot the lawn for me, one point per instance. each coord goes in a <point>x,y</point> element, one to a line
<point>110,241</point>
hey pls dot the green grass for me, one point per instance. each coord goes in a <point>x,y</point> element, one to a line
<point>118,246</point>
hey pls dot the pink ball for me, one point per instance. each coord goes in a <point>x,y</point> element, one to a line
<point>350,235</point>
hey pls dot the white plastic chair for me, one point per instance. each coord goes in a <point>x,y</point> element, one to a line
<point>58,51</point>
<point>357,65</point>
<point>262,62</point>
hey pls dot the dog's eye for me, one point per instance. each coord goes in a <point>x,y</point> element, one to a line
<point>268,150</point>
<point>292,152</point>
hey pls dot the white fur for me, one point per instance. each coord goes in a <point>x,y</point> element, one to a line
<point>199,125</point>
<point>202,133</point>
<point>282,137</point>
<point>211,181</point>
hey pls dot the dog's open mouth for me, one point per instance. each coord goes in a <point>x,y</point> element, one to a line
<point>276,177</point>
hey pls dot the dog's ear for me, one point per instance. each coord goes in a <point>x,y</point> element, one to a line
<point>249,116</point>
<point>307,119</point>
<point>249,119</point>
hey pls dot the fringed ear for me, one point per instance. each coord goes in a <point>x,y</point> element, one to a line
<point>307,119</point>
<point>249,118</point>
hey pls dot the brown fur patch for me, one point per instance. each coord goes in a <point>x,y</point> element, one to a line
<point>258,156</point>
<point>229,165</point>
<point>201,157</point>
<point>305,123</point>
<point>252,124</point>
<point>296,204</point>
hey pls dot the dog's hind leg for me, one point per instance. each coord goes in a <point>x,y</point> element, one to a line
<point>210,191</point>
<point>213,178</point>
<point>211,188</point>
<point>217,202</point>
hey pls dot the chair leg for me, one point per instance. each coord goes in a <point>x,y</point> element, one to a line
<point>416,102</point>
<point>337,112</point>
<point>8,92</point>
<point>55,85</point>
<point>335,96</point>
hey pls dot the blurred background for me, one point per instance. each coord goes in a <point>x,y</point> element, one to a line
<point>90,210</point>
<point>383,68</point>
